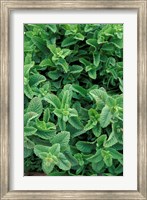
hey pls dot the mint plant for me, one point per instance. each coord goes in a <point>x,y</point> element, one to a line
<point>73,99</point>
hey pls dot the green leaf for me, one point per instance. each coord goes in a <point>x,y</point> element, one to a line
<point>65,98</point>
<point>85,147</point>
<point>52,150</point>
<point>78,133</point>
<point>28,91</point>
<point>29,116</point>
<point>119,101</point>
<point>84,61</point>
<point>92,42</point>
<point>96,58</point>
<point>111,140</point>
<point>73,112</point>
<point>58,112</point>
<point>70,157</point>
<point>79,36</point>
<point>99,94</point>
<point>119,169</point>
<point>68,41</point>
<point>42,126</point>
<point>116,155</point>
<point>53,99</point>
<point>62,124</point>
<point>75,122</point>
<point>90,67</point>
<point>46,63</point>
<point>29,130</point>
<point>105,117</point>
<point>97,157</point>
<point>62,138</point>
<point>40,148</point>
<point>89,27</point>
<point>35,106</point>
<point>38,41</point>
<point>52,48</point>
<point>65,53</point>
<point>28,143</point>
<point>107,157</point>
<point>52,27</point>
<point>45,135</point>
<point>63,163</point>
<point>55,149</point>
<point>27,68</point>
<point>101,140</point>
<point>97,131</point>
<point>27,152</point>
<point>28,58</point>
<point>111,102</point>
<point>89,125</point>
<point>79,158</point>
<point>118,43</point>
<point>108,160</point>
<point>97,167</point>
<point>76,69</point>
<point>43,155</point>
<point>92,74</point>
<point>46,115</point>
<point>108,47</point>
<point>54,75</point>
<point>36,79</point>
<point>62,62</point>
<point>47,167</point>
<point>111,62</point>
<point>79,89</point>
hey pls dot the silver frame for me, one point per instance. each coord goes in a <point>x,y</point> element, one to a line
<point>141,6</point>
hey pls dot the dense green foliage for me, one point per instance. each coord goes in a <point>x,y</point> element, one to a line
<point>73,99</point>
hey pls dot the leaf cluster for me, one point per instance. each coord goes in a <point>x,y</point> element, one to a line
<point>73,99</point>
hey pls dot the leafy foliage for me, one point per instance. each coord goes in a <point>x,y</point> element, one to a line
<point>73,99</point>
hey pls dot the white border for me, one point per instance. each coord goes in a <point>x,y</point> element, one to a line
<point>129,180</point>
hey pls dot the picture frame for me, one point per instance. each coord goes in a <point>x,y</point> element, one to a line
<point>141,7</point>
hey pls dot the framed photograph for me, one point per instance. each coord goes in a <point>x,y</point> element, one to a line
<point>73,99</point>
